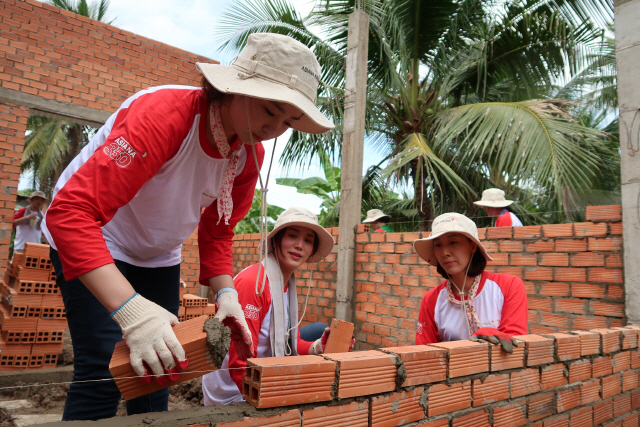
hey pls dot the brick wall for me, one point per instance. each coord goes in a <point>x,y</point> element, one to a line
<point>572,273</point>
<point>56,54</point>
<point>13,124</point>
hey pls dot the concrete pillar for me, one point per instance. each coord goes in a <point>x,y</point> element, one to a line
<point>352,152</point>
<point>627,16</point>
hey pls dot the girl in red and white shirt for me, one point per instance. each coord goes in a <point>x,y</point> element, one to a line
<point>170,159</point>
<point>471,302</point>
<point>273,314</point>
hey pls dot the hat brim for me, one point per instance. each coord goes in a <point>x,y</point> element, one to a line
<point>496,204</point>
<point>225,79</point>
<point>424,247</point>
<point>370,220</point>
<point>325,244</point>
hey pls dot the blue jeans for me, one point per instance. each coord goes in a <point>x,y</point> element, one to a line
<point>94,335</point>
<point>312,331</point>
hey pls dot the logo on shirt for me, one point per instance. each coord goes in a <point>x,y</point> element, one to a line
<point>120,151</point>
<point>419,330</point>
<point>251,312</point>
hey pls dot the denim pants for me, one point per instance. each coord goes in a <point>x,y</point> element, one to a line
<point>94,335</point>
<point>312,331</point>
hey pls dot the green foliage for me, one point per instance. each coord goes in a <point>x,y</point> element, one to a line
<point>251,222</point>
<point>487,110</point>
<point>96,10</point>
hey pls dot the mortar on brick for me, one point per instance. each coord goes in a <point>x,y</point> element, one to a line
<point>218,340</point>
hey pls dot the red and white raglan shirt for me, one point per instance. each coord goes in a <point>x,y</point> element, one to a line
<point>137,190</point>
<point>224,386</point>
<point>508,219</point>
<point>25,232</point>
<point>501,303</point>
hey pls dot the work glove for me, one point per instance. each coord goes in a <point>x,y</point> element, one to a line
<point>229,312</point>
<point>494,336</point>
<point>320,344</point>
<point>146,328</point>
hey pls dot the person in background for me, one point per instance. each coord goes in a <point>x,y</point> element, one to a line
<point>273,315</point>
<point>27,221</point>
<point>495,205</point>
<point>379,221</point>
<point>471,302</point>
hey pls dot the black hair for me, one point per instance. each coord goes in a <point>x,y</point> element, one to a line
<point>278,238</point>
<point>478,264</point>
<point>213,94</point>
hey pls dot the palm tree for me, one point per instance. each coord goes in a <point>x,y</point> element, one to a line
<point>51,144</point>
<point>251,222</point>
<point>479,115</point>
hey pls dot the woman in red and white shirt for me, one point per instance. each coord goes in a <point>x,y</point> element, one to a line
<point>471,302</point>
<point>170,159</point>
<point>273,314</point>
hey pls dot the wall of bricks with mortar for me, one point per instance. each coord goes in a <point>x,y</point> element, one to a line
<point>580,378</point>
<point>58,55</point>
<point>572,272</point>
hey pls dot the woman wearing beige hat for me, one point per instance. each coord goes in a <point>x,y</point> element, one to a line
<point>379,221</point>
<point>27,221</point>
<point>273,315</point>
<point>495,205</point>
<point>471,302</point>
<point>170,159</point>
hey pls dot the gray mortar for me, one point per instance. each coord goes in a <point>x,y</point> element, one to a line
<point>395,405</point>
<point>555,347</point>
<point>424,400</point>
<point>401,375</point>
<point>218,340</point>
<point>336,379</point>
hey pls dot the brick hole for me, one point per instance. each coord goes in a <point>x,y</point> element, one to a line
<point>50,359</point>
<point>32,262</point>
<point>21,361</point>
<point>56,336</point>
<point>19,312</point>
<point>254,394</point>
<point>256,376</point>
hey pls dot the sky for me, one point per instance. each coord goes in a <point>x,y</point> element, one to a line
<point>190,25</point>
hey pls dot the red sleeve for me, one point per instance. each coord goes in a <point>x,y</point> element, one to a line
<point>427,332</point>
<point>143,137</point>
<point>215,240</point>
<point>255,309</point>
<point>504,220</point>
<point>303,346</point>
<point>514,311</point>
<point>18,214</point>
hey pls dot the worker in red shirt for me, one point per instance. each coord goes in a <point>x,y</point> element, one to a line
<point>27,221</point>
<point>272,315</point>
<point>495,205</point>
<point>170,159</point>
<point>471,302</point>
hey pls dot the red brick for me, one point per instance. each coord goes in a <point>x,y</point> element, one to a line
<point>554,259</point>
<point>542,304</point>
<point>629,380</point>
<point>585,229</point>
<point>492,389</point>
<point>541,405</point>
<point>611,385</point>
<point>605,275</point>
<point>557,230</point>
<point>541,246</point>
<point>395,409</point>
<point>605,244</point>
<point>561,420</point>
<point>466,357</point>
<point>570,274</point>
<point>571,245</point>
<point>601,366</point>
<point>587,259</point>
<point>582,417</point>
<point>606,212</point>
<point>602,411</point>
<point>585,290</point>
<point>567,346</point>
<point>522,259</point>
<point>527,232</point>
<point>615,228</point>
<point>580,370</point>
<point>553,376</point>
<point>570,305</point>
<point>589,322</point>
<point>621,404</point>
<point>539,273</point>
<point>443,398</point>
<point>510,415</point>
<point>524,382</point>
<point>590,391</point>
<point>500,232</point>
<point>353,366</point>
<point>609,340</point>
<point>424,364</point>
<point>286,419</point>
<point>511,246</point>
<point>554,289</point>
<point>354,413</point>
<point>474,419</point>
<point>621,361</point>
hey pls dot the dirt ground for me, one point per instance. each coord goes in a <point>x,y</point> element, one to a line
<point>49,399</point>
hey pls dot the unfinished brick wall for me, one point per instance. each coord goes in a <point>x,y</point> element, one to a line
<point>575,379</point>
<point>56,54</point>
<point>572,272</point>
<point>51,55</point>
<point>13,125</point>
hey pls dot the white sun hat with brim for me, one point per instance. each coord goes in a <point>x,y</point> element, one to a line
<point>37,194</point>
<point>277,68</point>
<point>374,215</point>
<point>493,198</point>
<point>303,218</point>
<point>444,224</point>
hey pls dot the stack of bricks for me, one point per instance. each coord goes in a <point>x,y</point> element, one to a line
<point>579,378</point>
<point>32,314</point>
<point>192,306</point>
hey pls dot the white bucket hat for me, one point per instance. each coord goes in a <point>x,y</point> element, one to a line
<point>373,215</point>
<point>493,198</point>
<point>37,194</point>
<point>277,68</point>
<point>448,223</point>
<point>304,218</point>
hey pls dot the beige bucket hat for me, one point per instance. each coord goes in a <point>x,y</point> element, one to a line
<point>38,194</point>
<point>373,215</point>
<point>448,223</point>
<point>303,218</point>
<point>493,198</point>
<point>277,68</point>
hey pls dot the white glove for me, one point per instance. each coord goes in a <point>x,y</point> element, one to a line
<point>146,328</point>
<point>229,312</point>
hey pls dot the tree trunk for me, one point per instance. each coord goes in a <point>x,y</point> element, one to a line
<point>423,203</point>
